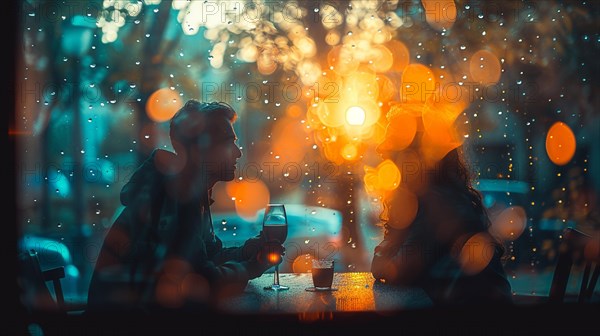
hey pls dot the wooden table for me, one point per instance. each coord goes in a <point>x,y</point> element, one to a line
<point>356,292</point>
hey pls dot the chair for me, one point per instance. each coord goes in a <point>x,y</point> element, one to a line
<point>35,295</point>
<point>572,251</point>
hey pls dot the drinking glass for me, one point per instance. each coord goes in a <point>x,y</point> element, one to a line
<point>275,229</point>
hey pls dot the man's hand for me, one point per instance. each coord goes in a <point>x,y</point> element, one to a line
<point>271,254</point>
<point>252,247</point>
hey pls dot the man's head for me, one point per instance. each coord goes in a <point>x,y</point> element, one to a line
<point>205,132</point>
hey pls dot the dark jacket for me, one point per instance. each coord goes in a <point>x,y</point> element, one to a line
<point>427,254</point>
<point>154,226</point>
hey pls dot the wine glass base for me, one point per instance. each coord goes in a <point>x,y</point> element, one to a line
<point>277,287</point>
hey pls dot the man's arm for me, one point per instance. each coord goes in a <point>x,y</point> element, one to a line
<point>248,251</point>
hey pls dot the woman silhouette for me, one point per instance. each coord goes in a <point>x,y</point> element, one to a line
<point>436,229</point>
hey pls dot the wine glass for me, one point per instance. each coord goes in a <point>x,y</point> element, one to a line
<point>275,229</point>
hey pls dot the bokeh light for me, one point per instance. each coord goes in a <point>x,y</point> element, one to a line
<point>440,14</point>
<point>485,67</point>
<point>302,263</point>
<point>418,83</point>
<point>560,143</point>
<point>163,104</point>
<point>400,131</point>
<point>342,61</point>
<point>476,253</point>
<point>349,152</point>
<point>383,178</point>
<point>401,55</point>
<point>355,116</point>
<point>382,58</point>
<point>509,224</point>
<point>250,197</point>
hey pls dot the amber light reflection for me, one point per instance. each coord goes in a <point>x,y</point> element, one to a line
<point>560,143</point>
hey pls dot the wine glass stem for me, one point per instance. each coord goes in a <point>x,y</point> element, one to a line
<point>276,276</point>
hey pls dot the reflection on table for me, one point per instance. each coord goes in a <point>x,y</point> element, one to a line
<point>355,291</point>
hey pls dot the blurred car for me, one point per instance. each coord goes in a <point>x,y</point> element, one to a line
<point>313,232</point>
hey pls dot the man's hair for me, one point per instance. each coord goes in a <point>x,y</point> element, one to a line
<point>198,122</point>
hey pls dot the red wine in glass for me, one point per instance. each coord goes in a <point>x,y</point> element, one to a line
<point>275,229</point>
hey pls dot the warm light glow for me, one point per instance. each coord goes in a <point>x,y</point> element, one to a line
<point>560,143</point>
<point>476,253</point>
<point>332,38</point>
<point>355,116</point>
<point>266,64</point>
<point>387,88</point>
<point>418,83</point>
<point>332,150</point>
<point>342,60</point>
<point>349,152</point>
<point>288,142</point>
<point>381,58</point>
<point>360,85</point>
<point>274,258</point>
<point>329,114</point>
<point>400,130</point>
<point>327,86</point>
<point>440,14</point>
<point>440,132</point>
<point>302,263</point>
<point>485,67</point>
<point>250,197</point>
<point>401,55</point>
<point>163,104</point>
<point>294,111</point>
<point>510,223</point>
<point>383,178</point>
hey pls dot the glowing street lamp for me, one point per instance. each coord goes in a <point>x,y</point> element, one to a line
<point>355,116</point>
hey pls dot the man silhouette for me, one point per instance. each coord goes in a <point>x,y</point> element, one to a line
<point>162,252</point>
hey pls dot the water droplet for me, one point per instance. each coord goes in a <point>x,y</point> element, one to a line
<point>223,221</point>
